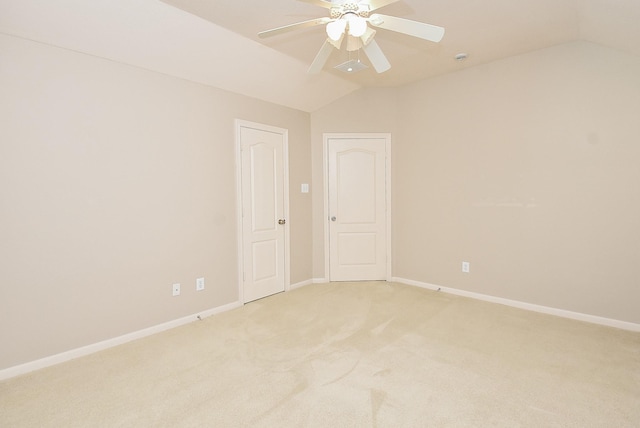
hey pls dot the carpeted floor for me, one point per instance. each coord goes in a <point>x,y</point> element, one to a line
<point>369,354</point>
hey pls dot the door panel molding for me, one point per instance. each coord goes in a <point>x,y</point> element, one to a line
<point>326,215</point>
<point>239,126</point>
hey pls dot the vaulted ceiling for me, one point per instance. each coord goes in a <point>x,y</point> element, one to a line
<point>215,41</point>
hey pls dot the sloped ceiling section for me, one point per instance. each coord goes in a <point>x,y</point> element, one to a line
<point>486,30</point>
<point>155,36</point>
<point>611,23</point>
<point>215,42</point>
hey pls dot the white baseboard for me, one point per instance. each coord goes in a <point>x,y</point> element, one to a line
<point>109,343</point>
<point>624,325</point>
<point>300,284</point>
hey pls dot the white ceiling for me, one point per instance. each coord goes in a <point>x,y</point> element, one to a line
<point>215,41</point>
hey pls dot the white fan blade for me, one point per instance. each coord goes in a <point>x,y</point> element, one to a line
<point>377,58</point>
<point>377,4</point>
<point>321,58</point>
<point>292,27</point>
<point>325,4</point>
<point>424,31</point>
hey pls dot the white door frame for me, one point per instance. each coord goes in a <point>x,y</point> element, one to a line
<point>325,180</point>
<point>239,123</point>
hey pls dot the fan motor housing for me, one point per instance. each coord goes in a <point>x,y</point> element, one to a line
<point>355,8</point>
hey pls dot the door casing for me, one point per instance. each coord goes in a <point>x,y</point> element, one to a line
<point>239,124</point>
<point>325,180</point>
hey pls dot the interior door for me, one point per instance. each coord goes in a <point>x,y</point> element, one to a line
<point>357,199</point>
<point>263,191</point>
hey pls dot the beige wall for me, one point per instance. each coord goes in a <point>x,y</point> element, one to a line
<point>116,182</point>
<point>528,168</point>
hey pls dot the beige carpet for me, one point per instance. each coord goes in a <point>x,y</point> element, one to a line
<point>368,354</point>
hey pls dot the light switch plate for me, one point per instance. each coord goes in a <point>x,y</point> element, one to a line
<point>304,188</point>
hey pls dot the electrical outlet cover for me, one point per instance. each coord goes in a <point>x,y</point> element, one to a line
<point>199,284</point>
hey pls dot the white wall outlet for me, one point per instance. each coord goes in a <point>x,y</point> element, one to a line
<point>199,284</point>
<point>176,289</point>
<point>465,267</point>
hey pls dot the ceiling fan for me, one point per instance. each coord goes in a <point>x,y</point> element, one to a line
<point>352,20</point>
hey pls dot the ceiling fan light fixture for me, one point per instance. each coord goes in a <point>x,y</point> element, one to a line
<point>352,19</point>
<point>336,43</point>
<point>357,25</point>
<point>335,29</point>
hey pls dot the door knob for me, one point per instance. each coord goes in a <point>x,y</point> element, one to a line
<point>282,221</point>
<point>333,218</point>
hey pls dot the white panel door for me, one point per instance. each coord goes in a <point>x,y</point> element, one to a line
<point>357,209</point>
<point>263,221</point>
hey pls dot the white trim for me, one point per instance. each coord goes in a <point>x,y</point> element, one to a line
<point>240,249</point>
<point>593,319</point>
<point>325,203</point>
<point>325,184</point>
<point>287,225</point>
<point>301,284</point>
<point>388,196</point>
<point>239,123</point>
<point>110,343</point>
